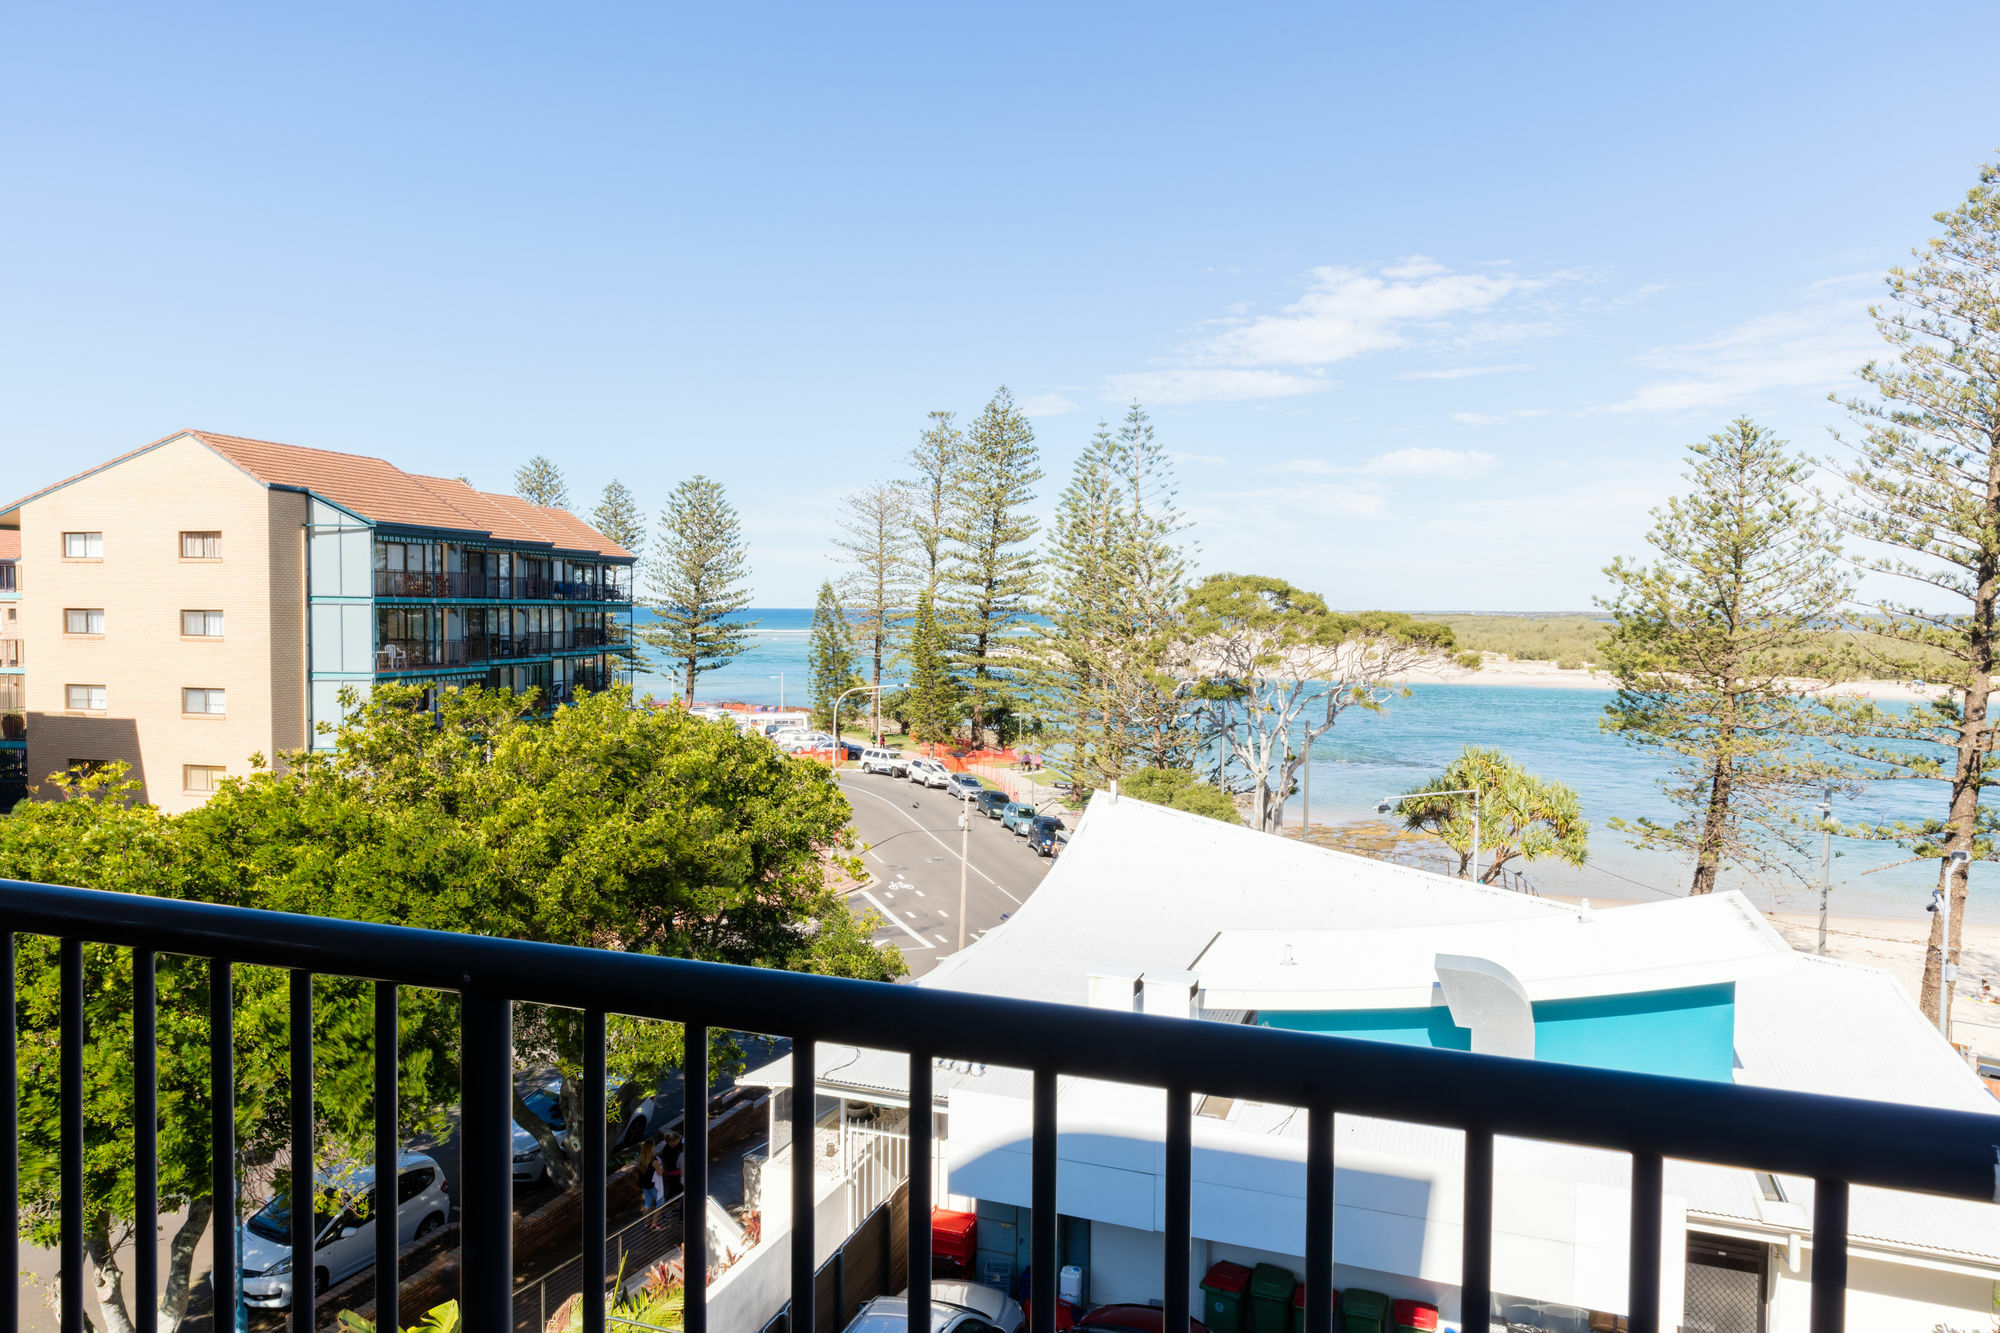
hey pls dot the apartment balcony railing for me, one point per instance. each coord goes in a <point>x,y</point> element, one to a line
<point>405,654</point>
<point>1837,1142</point>
<point>10,652</point>
<point>411,583</point>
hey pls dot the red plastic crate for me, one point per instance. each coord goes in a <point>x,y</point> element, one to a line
<point>954,1236</point>
<point>1414,1314</point>
<point>1226,1276</point>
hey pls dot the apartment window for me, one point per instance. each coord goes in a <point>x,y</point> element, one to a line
<point>201,624</point>
<point>82,620</point>
<point>85,698</point>
<point>202,701</point>
<point>201,546</point>
<point>83,546</point>
<point>201,779</point>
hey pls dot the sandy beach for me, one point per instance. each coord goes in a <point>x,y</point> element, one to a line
<point>1500,670</point>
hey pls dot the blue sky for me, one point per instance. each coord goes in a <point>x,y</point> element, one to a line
<point>1427,299</point>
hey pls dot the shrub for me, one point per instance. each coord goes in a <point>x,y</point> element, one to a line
<point>1178,789</point>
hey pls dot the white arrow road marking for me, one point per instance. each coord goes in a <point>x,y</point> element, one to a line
<point>895,920</point>
<point>857,791</point>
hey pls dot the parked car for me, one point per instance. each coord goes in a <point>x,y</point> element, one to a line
<point>965,787</point>
<point>993,804</point>
<point>956,1307</point>
<point>1017,817</point>
<point>345,1243</point>
<point>929,772</point>
<point>892,762</point>
<point>793,742</point>
<point>1042,835</point>
<point>531,1163</point>
<point>1131,1319</point>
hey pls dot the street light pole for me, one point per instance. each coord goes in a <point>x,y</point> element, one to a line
<point>964,868</point>
<point>1382,808</point>
<point>1961,864</point>
<point>839,750</point>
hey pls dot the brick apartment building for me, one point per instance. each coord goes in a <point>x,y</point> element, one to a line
<point>206,597</point>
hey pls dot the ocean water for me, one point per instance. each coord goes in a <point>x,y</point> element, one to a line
<point>1552,732</point>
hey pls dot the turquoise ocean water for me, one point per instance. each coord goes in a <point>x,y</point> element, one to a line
<point>1553,732</point>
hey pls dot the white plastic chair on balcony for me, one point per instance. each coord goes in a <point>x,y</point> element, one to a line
<point>393,657</point>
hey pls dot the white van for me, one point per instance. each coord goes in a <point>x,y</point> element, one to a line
<point>929,772</point>
<point>346,1241</point>
<point>891,762</point>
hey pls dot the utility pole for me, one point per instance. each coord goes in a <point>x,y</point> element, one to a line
<point>1961,864</point>
<point>964,868</point>
<point>1825,861</point>
<point>1306,808</point>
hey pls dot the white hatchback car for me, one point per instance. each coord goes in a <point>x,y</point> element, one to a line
<point>956,1307</point>
<point>346,1241</point>
<point>929,772</point>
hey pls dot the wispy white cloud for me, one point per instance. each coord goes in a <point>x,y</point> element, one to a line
<point>1047,405</point>
<point>1475,418</point>
<point>1203,385</point>
<point>1460,372</point>
<point>1416,462</point>
<point>1325,500</point>
<point>1815,346</point>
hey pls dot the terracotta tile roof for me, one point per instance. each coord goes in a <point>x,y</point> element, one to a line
<point>579,534</point>
<point>486,512</point>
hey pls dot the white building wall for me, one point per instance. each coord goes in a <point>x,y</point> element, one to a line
<point>1885,1296</point>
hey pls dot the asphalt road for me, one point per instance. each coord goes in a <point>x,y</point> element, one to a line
<point>913,842</point>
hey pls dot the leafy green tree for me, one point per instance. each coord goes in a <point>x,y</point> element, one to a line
<point>935,463</point>
<point>1922,485</point>
<point>830,655</point>
<point>695,584</point>
<point>617,517</point>
<point>1278,669</point>
<point>1520,815</point>
<point>540,482</point>
<point>1178,789</point>
<point>1114,597</point>
<point>876,544</point>
<point>991,573</point>
<point>933,703</point>
<point>1707,643</point>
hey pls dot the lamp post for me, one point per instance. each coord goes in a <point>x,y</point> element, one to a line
<point>780,678</point>
<point>1383,806</point>
<point>839,750</point>
<point>1961,864</point>
<point>1825,861</point>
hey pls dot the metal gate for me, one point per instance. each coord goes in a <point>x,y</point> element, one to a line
<point>1725,1285</point>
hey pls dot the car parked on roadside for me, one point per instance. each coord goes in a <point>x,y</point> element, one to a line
<point>531,1162</point>
<point>993,804</point>
<point>965,787</point>
<point>956,1307</point>
<point>892,762</point>
<point>345,1239</point>
<point>929,772</point>
<point>1017,817</point>
<point>1041,835</point>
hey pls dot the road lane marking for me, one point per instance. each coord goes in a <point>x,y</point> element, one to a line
<point>936,839</point>
<point>896,920</point>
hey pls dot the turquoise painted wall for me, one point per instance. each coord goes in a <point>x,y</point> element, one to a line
<point>1688,1033</point>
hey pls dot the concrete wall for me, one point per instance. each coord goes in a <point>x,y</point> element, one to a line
<point>142,584</point>
<point>758,1285</point>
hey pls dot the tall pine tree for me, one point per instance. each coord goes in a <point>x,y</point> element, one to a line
<point>875,544</point>
<point>695,584</point>
<point>540,482</point>
<point>991,570</point>
<point>934,469</point>
<point>1707,646</point>
<point>617,517</point>
<point>933,703</point>
<point>829,656</point>
<point>1923,484</point>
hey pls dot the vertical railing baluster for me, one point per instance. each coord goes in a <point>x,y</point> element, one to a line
<point>1475,1282</point>
<point>486,1161</point>
<point>694,1177</point>
<point>1042,1197</point>
<point>10,1134</point>
<point>595,1168</point>
<point>388,1156</point>
<point>1643,1280</point>
<point>72,1136</point>
<point>222,1135</point>
<point>305,1216</point>
<point>1829,1257</point>
<point>918,1223</point>
<point>145,1143</point>
<point>1180,1207</point>
<point>805,1156</point>
<point>1319,1220</point>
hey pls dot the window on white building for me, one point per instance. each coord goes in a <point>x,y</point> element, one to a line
<point>201,779</point>
<point>84,698</point>
<point>83,546</point>
<point>201,546</point>
<point>202,701</point>
<point>83,620</point>
<point>201,624</point>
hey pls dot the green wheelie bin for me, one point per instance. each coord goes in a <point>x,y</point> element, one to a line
<point>1222,1294</point>
<point>1271,1290</point>
<point>1364,1311</point>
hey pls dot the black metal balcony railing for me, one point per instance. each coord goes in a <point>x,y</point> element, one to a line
<point>473,583</point>
<point>404,654</point>
<point>1835,1141</point>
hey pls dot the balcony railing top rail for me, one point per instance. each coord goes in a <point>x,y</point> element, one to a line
<point>1835,1141</point>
